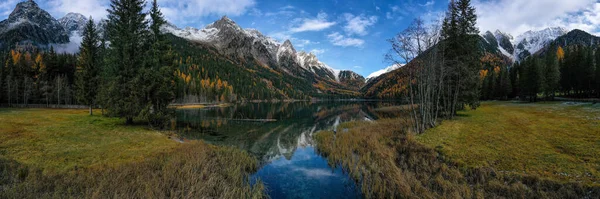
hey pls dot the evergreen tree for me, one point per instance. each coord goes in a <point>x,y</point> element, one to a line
<point>552,74</point>
<point>588,71</point>
<point>159,73</point>
<point>534,78</point>
<point>89,60</point>
<point>597,72</point>
<point>127,32</point>
<point>503,85</point>
<point>514,80</point>
<point>460,33</point>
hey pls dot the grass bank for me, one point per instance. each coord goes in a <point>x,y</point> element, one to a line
<point>388,162</point>
<point>67,154</point>
<point>559,141</point>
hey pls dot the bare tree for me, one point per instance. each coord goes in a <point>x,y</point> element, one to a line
<point>424,75</point>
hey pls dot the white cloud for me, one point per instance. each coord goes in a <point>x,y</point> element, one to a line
<point>71,47</point>
<point>340,40</point>
<point>517,16</point>
<point>94,8</point>
<point>428,3</point>
<point>301,43</point>
<point>313,24</point>
<point>388,15</point>
<point>178,10</point>
<point>284,11</point>
<point>358,24</point>
<point>317,51</point>
<point>7,6</point>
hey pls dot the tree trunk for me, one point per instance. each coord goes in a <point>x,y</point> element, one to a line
<point>91,113</point>
<point>129,121</point>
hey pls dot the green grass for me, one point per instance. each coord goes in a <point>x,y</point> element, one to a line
<point>558,141</point>
<point>60,140</point>
<point>52,153</point>
<point>389,162</point>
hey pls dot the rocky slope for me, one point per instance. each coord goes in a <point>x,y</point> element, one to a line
<point>28,23</point>
<point>232,40</point>
<point>73,22</point>
<point>531,42</point>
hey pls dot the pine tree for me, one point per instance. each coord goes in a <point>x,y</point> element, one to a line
<point>552,73</point>
<point>127,32</point>
<point>597,73</point>
<point>514,80</point>
<point>460,50</point>
<point>159,79</point>
<point>588,71</point>
<point>88,66</point>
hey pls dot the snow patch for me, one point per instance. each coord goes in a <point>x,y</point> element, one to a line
<point>384,71</point>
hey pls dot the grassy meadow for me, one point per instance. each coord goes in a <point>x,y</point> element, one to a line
<point>471,156</point>
<point>52,153</point>
<point>559,141</point>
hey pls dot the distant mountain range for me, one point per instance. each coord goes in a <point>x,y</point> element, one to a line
<point>231,40</point>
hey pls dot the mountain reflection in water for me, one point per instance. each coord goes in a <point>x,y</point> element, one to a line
<point>280,135</point>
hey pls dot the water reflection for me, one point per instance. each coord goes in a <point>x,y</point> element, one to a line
<point>280,135</point>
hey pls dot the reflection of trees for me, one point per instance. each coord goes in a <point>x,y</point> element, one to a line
<point>295,125</point>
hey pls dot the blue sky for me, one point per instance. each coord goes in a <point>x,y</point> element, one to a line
<point>348,34</point>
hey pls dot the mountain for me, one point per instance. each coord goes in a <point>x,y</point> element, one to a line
<point>531,42</point>
<point>28,23</point>
<point>352,79</point>
<point>523,45</point>
<point>577,37</point>
<point>501,41</point>
<point>251,46</point>
<point>230,39</point>
<point>383,71</point>
<point>73,22</point>
<point>390,82</point>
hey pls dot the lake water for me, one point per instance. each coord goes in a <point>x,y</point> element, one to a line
<point>280,135</point>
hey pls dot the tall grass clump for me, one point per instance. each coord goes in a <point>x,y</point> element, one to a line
<point>388,162</point>
<point>195,170</point>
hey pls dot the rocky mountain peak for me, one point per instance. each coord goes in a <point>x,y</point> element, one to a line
<point>73,22</point>
<point>531,42</point>
<point>28,22</point>
<point>286,50</point>
<point>28,10</point>
<point>224,23</point>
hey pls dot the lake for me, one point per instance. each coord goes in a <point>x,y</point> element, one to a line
<point>280,135</point>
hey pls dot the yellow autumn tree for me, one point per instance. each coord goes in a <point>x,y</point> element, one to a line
<point>560,54</point>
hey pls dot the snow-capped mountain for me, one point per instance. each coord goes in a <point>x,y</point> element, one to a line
<point>383,71</point>
<point>502,41</point>
<point>531,42</point>
<point>525,44</point>
<point>310,62</point>
<point>73,22</point>
<point>29,23</point>
<point>230,39</point>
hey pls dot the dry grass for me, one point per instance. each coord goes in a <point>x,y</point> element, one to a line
<point>390,163</point>
<point>57,140</point>
<point>66,154</point>
<point>551,140</point>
